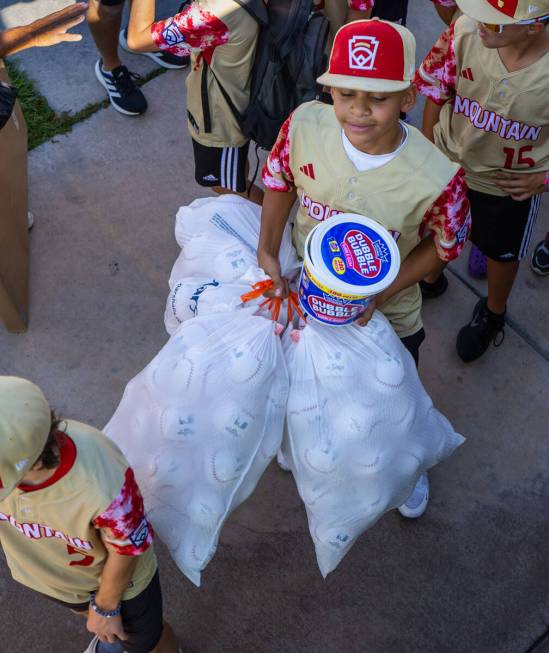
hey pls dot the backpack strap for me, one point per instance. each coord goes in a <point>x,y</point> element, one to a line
<point>236,113</point>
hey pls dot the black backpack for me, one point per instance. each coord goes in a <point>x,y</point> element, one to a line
<point>290,55</point>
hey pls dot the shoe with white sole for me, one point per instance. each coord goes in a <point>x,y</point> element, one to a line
<point>164,59</point>
<point>416,504</point>
<point>282,462</point>
<point>94,647</point>
<point>124,94</point>
<point>540,257</point>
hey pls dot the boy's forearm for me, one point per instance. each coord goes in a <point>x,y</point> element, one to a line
<point>139,27</point>
<point>431,115</point>
<point>115,578</point>
<point>446,13</point>
<point>274,216</point>
<point>422,261</point>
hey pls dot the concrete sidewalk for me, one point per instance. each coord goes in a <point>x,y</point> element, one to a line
<point>469,577</point>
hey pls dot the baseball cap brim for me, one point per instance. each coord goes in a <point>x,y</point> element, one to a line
<point>484,12</point>
<point>362,83</point>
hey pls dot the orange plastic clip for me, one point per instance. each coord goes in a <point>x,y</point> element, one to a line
<point>258,289</point>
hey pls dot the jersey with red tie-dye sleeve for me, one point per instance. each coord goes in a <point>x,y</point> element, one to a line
<point>448,220</point>
<point>436,78</point>
<point>194,29</point>
<point>124,524</point>
<point>357,5</point>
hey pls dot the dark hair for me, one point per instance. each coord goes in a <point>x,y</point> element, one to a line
<point>50,453</point>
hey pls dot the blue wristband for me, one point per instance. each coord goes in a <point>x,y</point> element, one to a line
<point>104,613</point>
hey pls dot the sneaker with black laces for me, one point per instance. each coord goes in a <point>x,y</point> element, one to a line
<point>164,59</point>
<point>540,257</point>
<point>436,289</point>
<point>120,84</point>
<point>484,328</point>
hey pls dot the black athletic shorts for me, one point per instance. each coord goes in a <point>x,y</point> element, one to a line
<point>221,166</point>
<point>393,10</point>
<point>413,343</point>
<point>111,3</point>
<point>141,617</point>
<point>501,226</point>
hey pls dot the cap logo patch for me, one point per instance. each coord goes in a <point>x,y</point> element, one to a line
<point>21,464</point>
<point>362,52</point>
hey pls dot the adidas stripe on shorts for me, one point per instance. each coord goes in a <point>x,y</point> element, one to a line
<point>221,166</point>
<point>501,226</point>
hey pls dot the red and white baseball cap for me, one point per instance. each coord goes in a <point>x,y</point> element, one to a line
<point>371,55</point>
<point>504,12</point>
<point>24,428</point>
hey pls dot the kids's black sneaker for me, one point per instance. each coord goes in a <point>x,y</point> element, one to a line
<point>475,338</point>
<point>540,257</point>
<point>164,59</point>
<point>124,94</point>
<point>436,289</point>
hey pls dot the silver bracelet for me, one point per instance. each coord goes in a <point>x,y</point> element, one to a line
<point>104,613</point>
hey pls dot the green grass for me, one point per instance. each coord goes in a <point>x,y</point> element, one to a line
<point>43,123</point>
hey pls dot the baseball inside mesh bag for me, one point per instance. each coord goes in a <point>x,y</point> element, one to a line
<point>361,429</point>
<point>200,424</point>
<point>197,297</point>
<point>219,237</point>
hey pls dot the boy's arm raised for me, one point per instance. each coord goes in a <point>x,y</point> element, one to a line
<point>195,28</point>
<point>139,27</point>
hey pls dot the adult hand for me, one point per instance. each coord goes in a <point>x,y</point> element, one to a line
<point>271,266</point>
<point>521,186</point>
<point>108,629</point>
<point>53,29</point>
<point>363,319</point>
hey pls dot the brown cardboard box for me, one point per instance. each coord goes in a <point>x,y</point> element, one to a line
<point>14,245</point>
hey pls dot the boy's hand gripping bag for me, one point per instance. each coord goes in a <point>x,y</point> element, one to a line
<point>200,424</point>
<point>219,238</point>
<point>361,429</point>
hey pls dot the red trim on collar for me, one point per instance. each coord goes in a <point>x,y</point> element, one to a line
<point>67,455</point>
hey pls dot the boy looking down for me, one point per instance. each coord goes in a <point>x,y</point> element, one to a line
<point>357,156</point>
<point>72,524</point>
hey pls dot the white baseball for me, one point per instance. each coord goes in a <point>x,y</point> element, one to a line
<point>245,367</point>
<point>348,420</point>
<point>389,371</point>
<point>231,263</point>
<point>181,425</point>
<point>225,466</point>
<point>232,419</point>
<point>205,509</point>
<point>321,459</point>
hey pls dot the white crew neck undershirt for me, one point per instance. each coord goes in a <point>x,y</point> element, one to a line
<point>363,161</point>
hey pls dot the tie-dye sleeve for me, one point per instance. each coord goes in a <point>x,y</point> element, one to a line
<point>195,28</point>
<point>123,524</point>
<point>448,220</point>
<point>436,77</point>
<point>277,174</point>
<point>360,5</point>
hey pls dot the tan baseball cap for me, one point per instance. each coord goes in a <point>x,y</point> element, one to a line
<point>24,428</point>
<point>371,55</point>
<point>504,12</point>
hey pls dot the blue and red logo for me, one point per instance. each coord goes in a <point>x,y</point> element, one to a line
<point>364,255</point>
